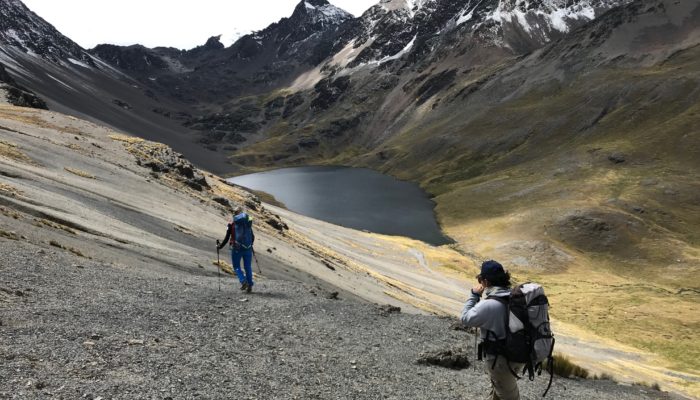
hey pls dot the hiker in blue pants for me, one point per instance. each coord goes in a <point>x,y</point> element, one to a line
<point>240,233</point>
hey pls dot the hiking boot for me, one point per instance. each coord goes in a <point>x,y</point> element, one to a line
<point>248,289</point>
<point>245,287</point>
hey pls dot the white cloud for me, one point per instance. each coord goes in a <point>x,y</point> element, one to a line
<point>175,23</point>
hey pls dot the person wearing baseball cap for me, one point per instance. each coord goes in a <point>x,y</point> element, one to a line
<point>489,315</point>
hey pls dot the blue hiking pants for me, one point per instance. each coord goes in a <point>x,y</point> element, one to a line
<point>247,256</point>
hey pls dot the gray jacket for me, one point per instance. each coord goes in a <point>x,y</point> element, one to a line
<point>488,314</point>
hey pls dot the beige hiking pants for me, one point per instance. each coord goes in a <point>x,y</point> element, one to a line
<point>504,386</point>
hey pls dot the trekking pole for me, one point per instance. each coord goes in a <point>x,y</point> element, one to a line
<point>476,346</point>
<point>256,261</point>
<point>218,264</point>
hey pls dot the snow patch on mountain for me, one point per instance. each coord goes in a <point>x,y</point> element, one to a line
<point>76,62</point>
<point>400,54</point>
<point>409,5</point>
<point>558,14</point>
<point>468,13</point>
<point>69,87</point>
<point>327,13</point>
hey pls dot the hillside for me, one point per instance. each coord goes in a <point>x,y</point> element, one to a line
<point>575,164</point>
<point>107,292</point>
<point>559,137</point>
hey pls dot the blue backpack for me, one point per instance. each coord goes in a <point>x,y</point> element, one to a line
<point>242,235</point>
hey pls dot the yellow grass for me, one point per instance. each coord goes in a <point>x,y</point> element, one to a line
<point>79,173</point>
<point>9,190</point>
<point>13,152</point>
<point>126,139</point>
<point>50,224</point>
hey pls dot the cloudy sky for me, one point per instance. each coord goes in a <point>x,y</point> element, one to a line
<point>176,23</point>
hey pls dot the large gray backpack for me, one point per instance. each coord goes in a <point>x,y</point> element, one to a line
<point>529,339</point>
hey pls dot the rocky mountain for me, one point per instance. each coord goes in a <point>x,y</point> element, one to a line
<point>204,94</point>
<point>22,29</point>
<point>393,54</point>
<point>69,79</point>
<point>257,62</point>
<point>321,48</point>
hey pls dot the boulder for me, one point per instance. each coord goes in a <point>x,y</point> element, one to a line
<point>453,359</point>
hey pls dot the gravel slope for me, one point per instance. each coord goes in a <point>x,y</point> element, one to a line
<point>76,328</point>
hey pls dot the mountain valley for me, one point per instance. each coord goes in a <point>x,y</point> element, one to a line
<point>559,137</point>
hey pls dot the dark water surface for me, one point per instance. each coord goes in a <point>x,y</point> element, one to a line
<point>353,197</point>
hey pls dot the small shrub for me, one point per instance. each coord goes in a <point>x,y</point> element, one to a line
<point>604,377</point>
<point>8,235</point>
<point>653,386</point>
<point>71,249</point>
<point>226,267</point>
<point>76,252</point>
<point>567,369</point>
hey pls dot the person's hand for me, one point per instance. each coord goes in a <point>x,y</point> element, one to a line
<point>478,289</point>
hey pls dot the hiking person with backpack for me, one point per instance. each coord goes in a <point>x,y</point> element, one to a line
<point>515,331</point>
<point>489,314</point>
<point>240,236</point>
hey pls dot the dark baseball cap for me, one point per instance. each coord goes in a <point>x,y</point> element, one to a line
<point>490,269</point>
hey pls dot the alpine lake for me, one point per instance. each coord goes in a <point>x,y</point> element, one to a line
<point>356,198</point>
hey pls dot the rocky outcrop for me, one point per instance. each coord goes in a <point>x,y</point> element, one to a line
<point>452,359</point>
<point>16,94</point>
<point>162,159</point>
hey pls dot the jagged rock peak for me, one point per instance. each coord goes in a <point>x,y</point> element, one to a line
<point>214,43</point>
<point>131,58</point>
<point>320,11</point>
